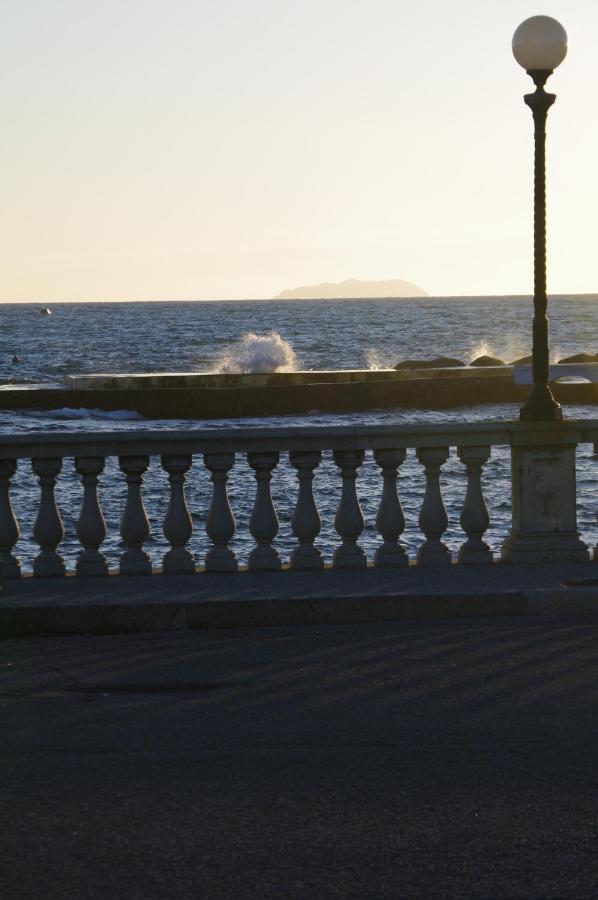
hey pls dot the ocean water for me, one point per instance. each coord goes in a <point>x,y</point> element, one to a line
<point>323,334</point>
<point>146,337</point>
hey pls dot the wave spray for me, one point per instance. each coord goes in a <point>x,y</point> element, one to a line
<point>258,353</point>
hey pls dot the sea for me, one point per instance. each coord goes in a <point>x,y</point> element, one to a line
<point>267,335</point>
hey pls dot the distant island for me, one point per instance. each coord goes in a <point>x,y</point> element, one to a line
<point>353,289</point>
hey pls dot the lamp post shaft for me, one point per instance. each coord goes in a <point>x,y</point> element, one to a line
<point>541,404</point>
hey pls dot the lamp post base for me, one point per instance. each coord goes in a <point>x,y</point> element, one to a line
<point>544,517</point>
<point>541,406</point>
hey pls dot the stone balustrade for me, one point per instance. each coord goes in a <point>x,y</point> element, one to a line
<point>543,528</point>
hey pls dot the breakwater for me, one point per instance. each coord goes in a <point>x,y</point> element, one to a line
<point>213,396</point>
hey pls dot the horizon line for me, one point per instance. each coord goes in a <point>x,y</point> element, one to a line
<point>294,299</point>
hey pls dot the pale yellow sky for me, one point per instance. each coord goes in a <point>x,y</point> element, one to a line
<point>211,150</point>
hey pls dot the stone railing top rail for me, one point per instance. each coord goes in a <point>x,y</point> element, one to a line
<point>248,439</point>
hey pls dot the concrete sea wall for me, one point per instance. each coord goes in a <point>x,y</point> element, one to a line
<point>210,396</point>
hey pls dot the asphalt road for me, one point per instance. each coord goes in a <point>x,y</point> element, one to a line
<point>409,759</point>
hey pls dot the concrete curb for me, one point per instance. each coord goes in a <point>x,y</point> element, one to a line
<point>28,619</point>
<point>38,606</point>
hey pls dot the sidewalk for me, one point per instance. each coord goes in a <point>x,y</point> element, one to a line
<point>451,758</point>
<point>71,605</point>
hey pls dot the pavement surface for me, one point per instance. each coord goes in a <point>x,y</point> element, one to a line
<point>447,758</point>
<point>71,605</point>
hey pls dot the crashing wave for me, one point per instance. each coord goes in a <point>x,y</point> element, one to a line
<point>256,353</point>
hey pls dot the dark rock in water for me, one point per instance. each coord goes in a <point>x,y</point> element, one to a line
<point>487,361</point>
<point>576,358</point>
<point>442,362</point>
<point>579,358</point>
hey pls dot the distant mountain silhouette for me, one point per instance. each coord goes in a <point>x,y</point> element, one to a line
<point>353,289</point>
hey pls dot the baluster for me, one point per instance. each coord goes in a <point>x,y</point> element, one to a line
<point>306,521</point>
<point>474,515</point>
<point>264,521</point>
<point>349,518</point>
<point>220,524</point>
<point>433,519</point>
<point>48,530</point>
<point>178,526</point>
<point>10,566</point>
<point>390,520</point>
<point>134,525</point>
<point>91,527</point>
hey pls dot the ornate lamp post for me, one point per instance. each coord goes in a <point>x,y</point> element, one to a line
<point>540,45</point>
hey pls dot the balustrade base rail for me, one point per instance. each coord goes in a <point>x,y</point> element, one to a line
<point>544,525</point>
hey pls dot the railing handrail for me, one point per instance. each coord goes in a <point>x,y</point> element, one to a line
<point>254,438</point>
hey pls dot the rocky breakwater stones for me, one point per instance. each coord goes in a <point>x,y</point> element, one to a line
<point>576,358</point>
<point>483,361</point>
<point>442,362</point>
<point>579,358</point>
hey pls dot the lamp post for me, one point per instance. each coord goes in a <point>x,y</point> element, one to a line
<point>540,45</point>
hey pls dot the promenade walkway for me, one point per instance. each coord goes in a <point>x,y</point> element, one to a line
<point>445,758</point>
<point>337,757</point>
<point>33,606</point>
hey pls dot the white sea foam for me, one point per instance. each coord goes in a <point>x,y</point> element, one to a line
<point>510,347</point>
<point>482,348</point>
<point>258,353</point>
<point>374,360</point>
<point>112,415</point>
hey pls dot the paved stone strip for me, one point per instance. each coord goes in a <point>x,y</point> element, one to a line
<point>36,606</point>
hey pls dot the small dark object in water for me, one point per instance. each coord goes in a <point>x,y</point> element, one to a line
<point>579,358</point>
<point>15,359</point>
<point>442,362</point>
<point>524,361</point>
<point>487,361</point>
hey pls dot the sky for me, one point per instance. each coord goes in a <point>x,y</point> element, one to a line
<point>224,149</point>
